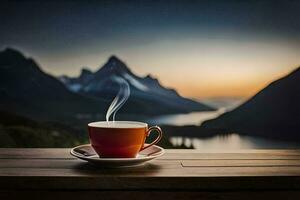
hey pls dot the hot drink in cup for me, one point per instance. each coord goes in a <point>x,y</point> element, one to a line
<point>120,139</point>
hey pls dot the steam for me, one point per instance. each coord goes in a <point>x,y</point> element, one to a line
<point>120,99</point>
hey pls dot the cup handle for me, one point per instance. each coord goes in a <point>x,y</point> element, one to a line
<point>153,128</point>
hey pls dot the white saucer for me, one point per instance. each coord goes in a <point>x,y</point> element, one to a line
<point>87,153</point>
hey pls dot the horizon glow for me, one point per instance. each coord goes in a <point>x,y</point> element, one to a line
<point>200,69</point>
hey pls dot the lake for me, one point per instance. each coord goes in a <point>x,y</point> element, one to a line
<point>232,142</point>
<point>221,142</point>
<point>194,118</point>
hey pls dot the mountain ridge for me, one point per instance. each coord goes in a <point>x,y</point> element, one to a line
<point>274,111</point>
<point>25,89</point>
<point>147,89</point>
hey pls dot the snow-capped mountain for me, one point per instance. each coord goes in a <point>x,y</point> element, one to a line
<point>75,84</point>
<point>145,90</point>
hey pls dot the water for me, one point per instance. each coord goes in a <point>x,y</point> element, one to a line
<point>194,118</point>
<point>232,142</point>
<point>229,142</point>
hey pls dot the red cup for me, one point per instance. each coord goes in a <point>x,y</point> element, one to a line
<point>120,139</point>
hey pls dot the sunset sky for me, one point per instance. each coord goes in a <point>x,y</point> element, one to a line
<point>201,48</point>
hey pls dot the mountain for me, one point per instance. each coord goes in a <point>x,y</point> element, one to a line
<point>26,90</point>
<point>75,84</point>
<point>272,112</point>
<point>146,93</point>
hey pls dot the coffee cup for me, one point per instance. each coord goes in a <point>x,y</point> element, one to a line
<point>120,139</point>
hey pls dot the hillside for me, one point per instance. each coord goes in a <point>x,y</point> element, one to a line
<point>272,112</point>
<point>27,90</point>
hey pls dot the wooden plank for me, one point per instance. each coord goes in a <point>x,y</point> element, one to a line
<point>57,153</point>
<point>155,170</point>
<point>227,156</point>
<point>239,163</point>
<point>37,153</point>
<point>273,151</point>
<point>75,164</point>
<point>118,182</point>
<point>150,195</point>
<point>17,151</point>
<point>71,164</point>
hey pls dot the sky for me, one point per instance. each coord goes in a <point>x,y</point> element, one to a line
<point>203,49</point>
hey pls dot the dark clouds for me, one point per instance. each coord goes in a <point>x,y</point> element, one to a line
<point>52,25</point>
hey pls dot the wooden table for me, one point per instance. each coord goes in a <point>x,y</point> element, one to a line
<point>181,174</point>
